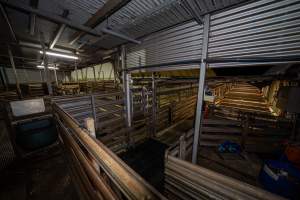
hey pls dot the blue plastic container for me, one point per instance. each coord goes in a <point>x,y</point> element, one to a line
<point>36,134</point>
<point>281,178</point>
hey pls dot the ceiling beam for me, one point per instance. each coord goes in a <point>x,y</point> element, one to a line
<point>57,36</point>
<point>189,7</point>
<point>33,4</point>
<point>11,29</point>
<point>38,46</point>
<point>110,7</point>
<point>61,20</point>
<point>59,31</point>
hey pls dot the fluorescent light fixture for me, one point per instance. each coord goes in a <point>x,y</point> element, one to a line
<point>50,67</point>
<point>40,67</point>
<point>59,55</point>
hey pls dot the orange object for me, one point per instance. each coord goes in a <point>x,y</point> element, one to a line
<point>293,154</point>
<point>206,112</point>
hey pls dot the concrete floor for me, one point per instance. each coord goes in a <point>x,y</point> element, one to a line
<point>147,159</point>
<point>43,176</point>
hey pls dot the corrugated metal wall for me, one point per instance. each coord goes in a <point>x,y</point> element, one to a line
<point>265,28</point>
<point>179,43</point>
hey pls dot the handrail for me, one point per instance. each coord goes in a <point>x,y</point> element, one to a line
<point>98,181</point>
<point>126,180</point>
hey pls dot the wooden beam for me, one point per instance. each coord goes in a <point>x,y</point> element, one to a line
<point>110,7</point>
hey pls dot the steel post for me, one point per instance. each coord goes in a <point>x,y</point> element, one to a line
<point>15,72</point>
<point>76,71</point>
<point>55,76</point>
<point>47,76</point>
<point>32,24</point>
<point>154,105</point>
<point>94,71</point>
<point>197,129</point>
<point>126,86</point>
<point>41,76</point>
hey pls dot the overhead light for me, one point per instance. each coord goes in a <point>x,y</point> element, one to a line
<point>59,55</point>
<point>50,67</point>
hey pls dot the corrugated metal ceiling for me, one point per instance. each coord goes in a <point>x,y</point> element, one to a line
<point>137,18</point>
<point>142,17</point>
<point>79,10</point>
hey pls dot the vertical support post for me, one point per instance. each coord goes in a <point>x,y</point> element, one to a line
<point>34,4</point>
<point>126,86</point>
<point>82,77</point>
<point>41,76</point>
<point>115,70</point>
<point>94,71</point>
<point>25,75</point>
<point>182,147</point>
<point>45,60</point>
<point>47,76</point>
<point>86,73</point>
<point>128,99</point>
<point>15,72</point>
<point>76,71</point>
<point>32,23</point>
<point>99,73</point>
<point>3,79</point>
<point>154,105</point>
<point>197,129</point>
<point>94,111</point>
<point>55,76</point>
<point>64,77</point>
<point>245,125</point>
